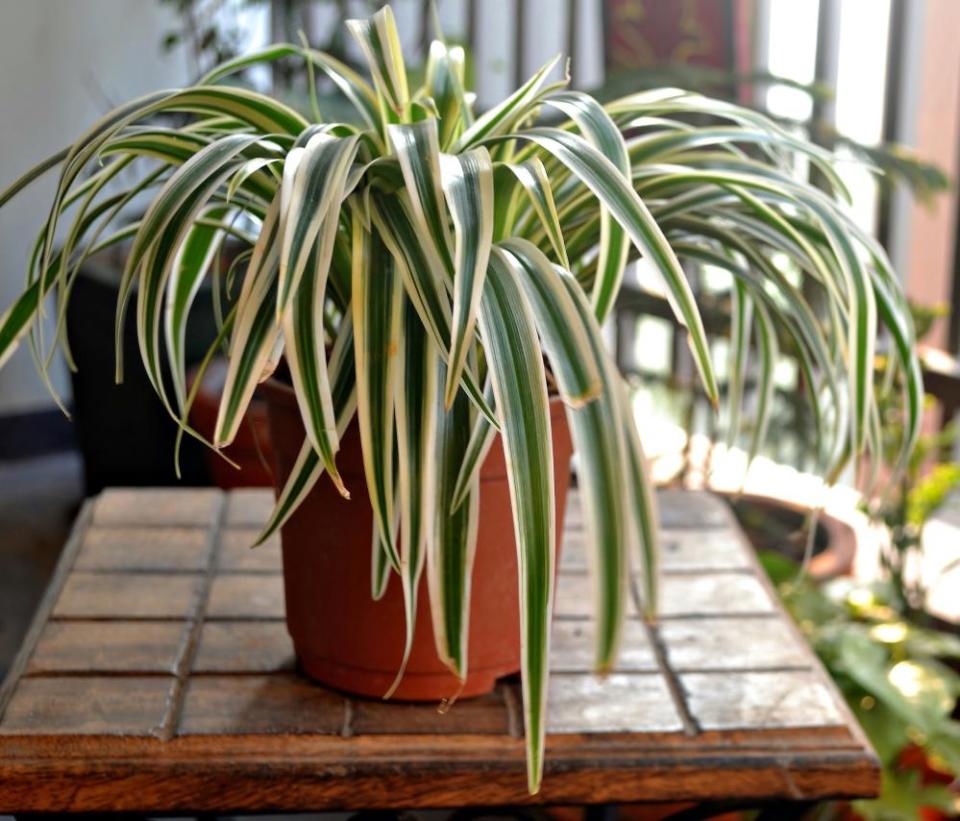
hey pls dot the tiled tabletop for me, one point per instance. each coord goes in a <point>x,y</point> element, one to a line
<point>158,676</point>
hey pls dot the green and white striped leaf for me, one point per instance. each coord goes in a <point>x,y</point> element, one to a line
<point>303,334</point>
<point>600,130</point>
<point>352,85</point>
<point>580,363</point>
<point>313,190</point>
<point>468,184</point>
<point>769,350</point>
<point>422,284</point>
<point>255,333</point>
<point>444,84</point>
<point>452,540</point>
<point>380,44</point>
<point>376,304</point>
<point>532,175</point>
<point>609,186</point>
<point>519,385</point>
<point>416,412</point>
<point>418,150</point>
<point>642,505</point>
<point>741,323</point>
<point>308,468</point>
<point>171,216</point>
<point>197,255</point>
<point>503,117</point>
<point>478,446</point>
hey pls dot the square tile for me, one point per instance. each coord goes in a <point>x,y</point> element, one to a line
<point>246,597</point>
<point>572,647</point>
<point>281,703</point>
<point>82,705</point>
<point>751,643</point>
<point>617,703</point>
<point>760,701</point>
<point>162,507</point>
<point>126,596</point>
<point>236,553</point>
<point>722,594</point>
<point>108,647</point>
<point>144,548</point>
<point>244,647</point>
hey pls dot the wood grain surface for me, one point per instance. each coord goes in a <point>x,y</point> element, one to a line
<point>158,676</point>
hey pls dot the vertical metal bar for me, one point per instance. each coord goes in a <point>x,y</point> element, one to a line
<point>825,73</point>
<point>573,38</point>
<point>519,35</point>
<point>473,24</point>
<point>425,25</point>
<point>892,103</point>
<point>953,328</point>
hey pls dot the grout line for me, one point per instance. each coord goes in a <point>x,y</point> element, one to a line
<point>514,710</point>
<point>194,624</point>
<point>772,668</point>
<point>691,726</point>
<point>346,731</point>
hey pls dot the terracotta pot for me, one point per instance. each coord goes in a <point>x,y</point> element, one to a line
<point>346,640</point>
<point>251,449</point>
<point>834,549</point>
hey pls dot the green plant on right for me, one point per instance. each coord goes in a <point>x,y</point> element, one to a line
<point>905,505</point>
<point>897,677</point>
<point>895,667</point>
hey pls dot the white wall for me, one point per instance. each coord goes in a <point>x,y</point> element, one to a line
<point>63,63</point>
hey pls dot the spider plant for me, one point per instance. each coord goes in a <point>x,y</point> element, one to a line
<point>436,273</point>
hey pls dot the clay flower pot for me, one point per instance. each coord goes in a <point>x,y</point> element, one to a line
<point>346,640</point>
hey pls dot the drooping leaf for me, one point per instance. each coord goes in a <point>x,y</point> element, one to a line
<point>308,467</point>
<point>574,347</point>
<point>416,413</point>
<point>377,300</point>
<point>519,385</point>
<point>452,541</point>
<point>609,186</point>
<point>468,184</point>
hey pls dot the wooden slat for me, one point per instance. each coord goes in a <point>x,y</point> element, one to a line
<point>691,550</point>
<point>159,678</point>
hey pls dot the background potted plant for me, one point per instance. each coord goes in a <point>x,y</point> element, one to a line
<point>427,278</point>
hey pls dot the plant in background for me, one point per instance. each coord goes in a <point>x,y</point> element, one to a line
<point>435,273</point>
<point>899,678</point>
<point>905,505</point>
<point>895,666</point>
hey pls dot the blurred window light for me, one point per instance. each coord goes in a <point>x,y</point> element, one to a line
<point>791,54</point>
<point>861,88</point>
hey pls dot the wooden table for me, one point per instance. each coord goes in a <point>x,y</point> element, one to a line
<point>158,676</point>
